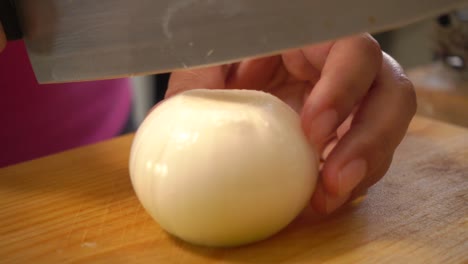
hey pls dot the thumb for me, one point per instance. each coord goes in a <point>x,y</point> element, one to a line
<point>2,38</point>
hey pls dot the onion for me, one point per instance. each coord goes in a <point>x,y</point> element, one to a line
<point>223,167</point>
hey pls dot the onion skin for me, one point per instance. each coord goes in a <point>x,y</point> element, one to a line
<point>223,168</point>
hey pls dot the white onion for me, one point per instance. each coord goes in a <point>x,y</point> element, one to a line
<point>223,167</point>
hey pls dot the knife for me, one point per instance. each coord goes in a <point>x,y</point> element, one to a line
<point>81,40</point>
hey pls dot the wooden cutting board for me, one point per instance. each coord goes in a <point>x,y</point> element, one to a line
<point>442,93</point>
<point>79,207</point>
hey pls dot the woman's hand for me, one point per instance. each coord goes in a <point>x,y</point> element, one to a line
<point>355,104</point>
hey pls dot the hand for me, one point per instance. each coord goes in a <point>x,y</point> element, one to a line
<point>354,101</point>
<point>2,38</point>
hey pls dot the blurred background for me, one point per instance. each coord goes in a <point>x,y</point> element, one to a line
<point>433,53</point>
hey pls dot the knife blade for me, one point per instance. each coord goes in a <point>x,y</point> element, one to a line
<point>73,40</point>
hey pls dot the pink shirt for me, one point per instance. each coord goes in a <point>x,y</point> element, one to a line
<point>37,120</point>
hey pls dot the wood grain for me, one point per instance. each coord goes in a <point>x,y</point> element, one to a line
<point>79,207</point>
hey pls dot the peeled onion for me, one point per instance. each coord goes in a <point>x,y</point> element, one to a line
<point>223,167</point>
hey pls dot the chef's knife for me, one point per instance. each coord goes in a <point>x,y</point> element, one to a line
<point>78,40</point>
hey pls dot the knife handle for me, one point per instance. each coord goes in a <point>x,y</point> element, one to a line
<point>9,20</point>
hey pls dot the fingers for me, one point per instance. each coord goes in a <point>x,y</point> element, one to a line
<point>324,203</point>
<point>257,74</point>
<point>371,178</point>
<point>202,78</point>
<point>306,64</point>
<point>346,77</point>
<point>364,153</point>
<point>299,66</point>
<point>2,38</point>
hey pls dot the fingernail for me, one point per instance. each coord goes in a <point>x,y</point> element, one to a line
<point>334,202</point>
<point>322,126</point>
<point>325,203</point>
<point>359,199</point>
<point>351,175</point>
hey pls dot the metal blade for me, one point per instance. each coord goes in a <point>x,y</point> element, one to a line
<point>71,40</point>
